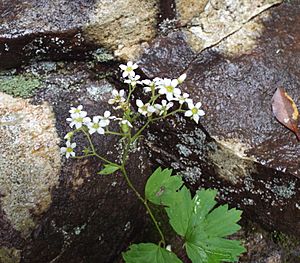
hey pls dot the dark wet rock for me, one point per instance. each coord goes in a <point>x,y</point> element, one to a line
<point>64,30</point>
<point>243,151</point>
<point>43,30</point>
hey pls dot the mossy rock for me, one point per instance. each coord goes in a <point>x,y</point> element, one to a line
<point>19,85</point>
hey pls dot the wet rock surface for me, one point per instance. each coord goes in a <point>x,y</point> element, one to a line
<point>238,148</point>
<point>42,29</point>
<point>246,154</point>
<point>62,30</point>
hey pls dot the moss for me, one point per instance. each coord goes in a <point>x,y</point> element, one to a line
<point>19,85</point>
<point>9,255</point>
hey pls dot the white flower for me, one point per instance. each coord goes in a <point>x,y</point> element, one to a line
<point>69,150</point>
<point>95,126</point>
<point>128,70</point>
<point>78,111</point>
<point>181,78</point>
<point>149,85</point>
<point>163,107</point>
<point>126,122</point>
<point>168,87</point>
<point>133,80</point>
<point>118,97</point>
<point>182,98</point>
<point>78,119</point>
<point>145,109</point>
<point>194,111</point>
<point>105,120</point>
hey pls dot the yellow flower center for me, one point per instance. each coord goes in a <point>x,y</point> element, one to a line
<point>69,150</point>
<point>194,111</point>
<point>80,119</point>
<point>96,126</point>
<point>169,88</point>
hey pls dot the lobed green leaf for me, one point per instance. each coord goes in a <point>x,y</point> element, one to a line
<point>149,253</point>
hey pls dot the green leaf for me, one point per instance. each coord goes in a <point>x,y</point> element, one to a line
<point>149,253</point>
<point>109,169</point>
<point>161,186</point>
<point>205,242</point>
<point>179,210</point>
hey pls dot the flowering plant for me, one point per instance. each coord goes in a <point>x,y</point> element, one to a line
<point>165,99</point>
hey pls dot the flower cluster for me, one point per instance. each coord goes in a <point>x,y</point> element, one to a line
<point>80,121</point>
<point>159,86</point>
<point>164,94</point>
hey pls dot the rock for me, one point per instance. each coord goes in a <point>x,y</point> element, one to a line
<point>123,25</point>
<point>61,29</point>
<point>30,161</point>
<point>243,151</point>
<point>58,210</point>
<point>43,30</point>
<point>209,22</point>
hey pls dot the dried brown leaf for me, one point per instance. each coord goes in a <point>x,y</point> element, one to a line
<point>285,111</point>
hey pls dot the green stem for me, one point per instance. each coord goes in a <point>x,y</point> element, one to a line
<point>167,115</point>
<point>114,133</point>
<point>94,153</point>
<point>144,201</point>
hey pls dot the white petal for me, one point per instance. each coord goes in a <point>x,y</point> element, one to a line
<point>72,154</point>
<point>147,89</point>
<point>201,113</point>
<point>123,67</point>
<point>129,64</point>
<point>122,92</point>
<point>96,119</point>
<point>135,66</point>
<point>191,104</point>
<point>196,118</point>
<point>92,130</point>
<point>174,83</point>
<point>78,125</point>
<point>114,93</point>
<point>68,144</point>
<point>139,103</point>
<point>198,105</point>
<point>182,78</point>
<point>146,81</point>
<point>170,105</point>
<point>131,73</point>
<point>100,131</point>
<point>73,145</point>
<point>169,96</point>
<point>188,113</point>
<point>107,114</point>
<point>151,109</point>
<point>63,149</point>
<point>167,82</point>
<point>177,91</point>
<point>125,74</point>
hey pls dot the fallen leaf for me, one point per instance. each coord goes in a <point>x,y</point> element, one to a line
<point>285,111</point>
